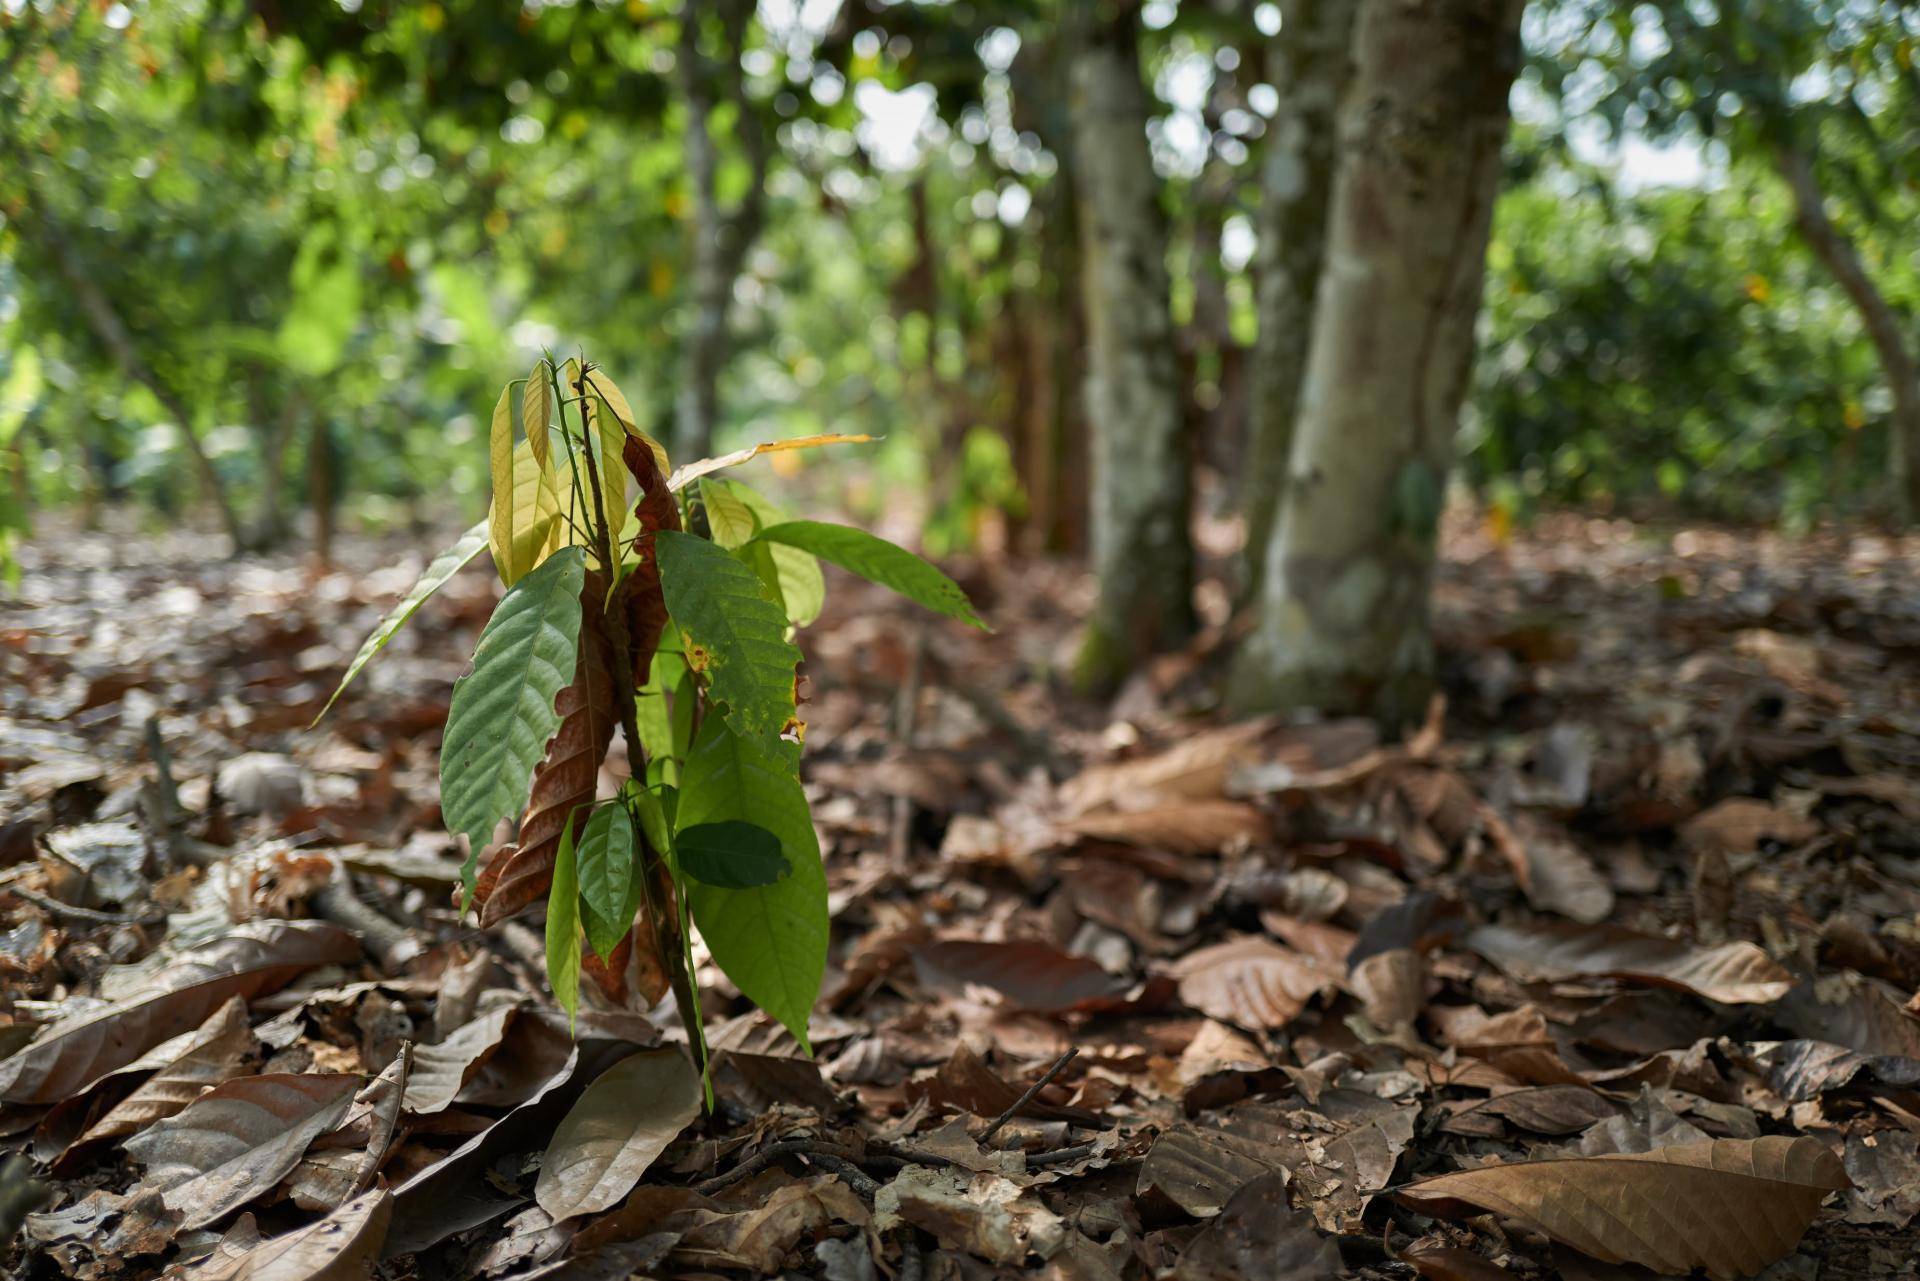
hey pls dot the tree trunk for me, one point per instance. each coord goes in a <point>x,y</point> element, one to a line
<point>1342,606</point>
<point>720,237</point>
<point>1310,62</point>
<point>1837,253</point>
<point>1142,554</point>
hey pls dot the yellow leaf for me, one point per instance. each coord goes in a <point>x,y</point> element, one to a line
<point>521,530</point>
<point>706,466</point>
<point>597,380</point>
<point>536,412</point>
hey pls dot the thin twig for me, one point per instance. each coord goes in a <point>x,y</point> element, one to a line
<point>69,911</point>
<point>768,1155</point>
<point>337,901</point>
<point>862,1184</point>
<point>1032,1090</point>
<point>1062,1156</point>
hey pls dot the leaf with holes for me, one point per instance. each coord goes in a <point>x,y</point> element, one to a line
<point>770,940</point>
<point>442,568</point>
<point>1731,1206</point>
<point>503,710</point>
<point>735,634</point>
<point>879,561</point>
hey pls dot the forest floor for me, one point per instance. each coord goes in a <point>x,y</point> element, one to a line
<point>1649,877</point>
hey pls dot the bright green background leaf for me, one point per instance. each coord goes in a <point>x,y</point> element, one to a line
<point>877,559</point>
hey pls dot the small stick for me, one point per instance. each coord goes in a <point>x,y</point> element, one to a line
<point>768,1155</point>
<point>70,912</point>
<point>1032,1090</point>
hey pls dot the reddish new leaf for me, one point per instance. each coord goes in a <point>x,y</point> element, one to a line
<point>646,605</point>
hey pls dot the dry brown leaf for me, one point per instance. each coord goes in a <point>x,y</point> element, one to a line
<point>1195,768</point>
<point>1438,1262</point>
<point>1252,982</point>
<point>1200,1167</point>
<point>1731,1206</point>
<point>1259,1235</point>
<point>1543,1109</point>
<point>1190,827</point>
<point>1031,974</point>
<point>440,1070</point>
<point>343,1164</point>
<point>1732,973</point>
<point>1391,985</point>
<point>619,1127</point>
<point>252,958</point>
<point>238,1140</point>
<point>344,1246</point>
<point>1738,825</point>
<point>967,1083</point>
<point>983,1214</point>
<point>216,1053</point>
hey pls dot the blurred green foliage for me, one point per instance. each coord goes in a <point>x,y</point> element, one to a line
<point>326,229</point>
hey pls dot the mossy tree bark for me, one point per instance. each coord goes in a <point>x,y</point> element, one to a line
<point>1141,458</point>
<point>1341,608</point>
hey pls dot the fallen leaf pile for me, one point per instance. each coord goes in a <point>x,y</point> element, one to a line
<point>1610,965</point>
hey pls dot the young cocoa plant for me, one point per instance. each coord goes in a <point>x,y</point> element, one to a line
<point>662,603</point>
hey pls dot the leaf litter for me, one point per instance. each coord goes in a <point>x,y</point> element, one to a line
<point>1613,963</point>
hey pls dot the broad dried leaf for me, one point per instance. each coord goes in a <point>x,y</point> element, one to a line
<point>1251,982</point>
<point>1200,1167</point>
<point>344,1246</point>
<point>983,1214</point>
<point>253,958</point>
<point>238,1140</point>
<point>1543,1109</point>
<point>1259,1235</point>
<point>965,1082</point>
<point>1031,974</point>
<point>1739,824</point>
<point>619,1127</point>
<point>1438,1262</point>
<point>1191,827</point>
<point>1731,1206</point>
<point>1195,769</point>
<point>645,605</point>
<point>344,1163</point>
<point>218,1050</point>
<point>567,778</point>
<point>1731,973</point>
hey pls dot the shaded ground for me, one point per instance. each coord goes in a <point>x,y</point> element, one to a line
<point>1651,879</point>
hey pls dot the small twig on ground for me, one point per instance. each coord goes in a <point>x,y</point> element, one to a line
<point>768,1155</point>
<point>169,792</point>
<point>71,912</point>
<point>387,942</point>
<point>1028,1097</point>
<point>862,1184</point>
<point>1062,1156</point>
<point>913,1264</point>
<point>20,1195</point>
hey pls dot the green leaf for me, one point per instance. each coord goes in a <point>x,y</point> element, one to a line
<point>770,940</point>
<point>609,883</point>
<point>735,634</point>
<point>503,713</point>
<point>444,566</point>
<point>563,928</point>
<point>792,576</point>
<point>880,561</point>
<point>731,520</point>
<point>731,855</point>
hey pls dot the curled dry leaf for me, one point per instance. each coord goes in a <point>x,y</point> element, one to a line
<point>239,1139</point>
<point>440,1070</point>
<point>256,957</point>
<point>1252,982</point>
<point>983,1214</point>
<point>1730,1206</point>
<point>1731,973</point>
<point>342,1164</point>
<point>344,1245</point>
<point>623,1122</point>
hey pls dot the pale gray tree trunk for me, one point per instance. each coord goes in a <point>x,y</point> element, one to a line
<point>1341,612</point>
<point>1142,554</point>
<point>1310,63</point>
